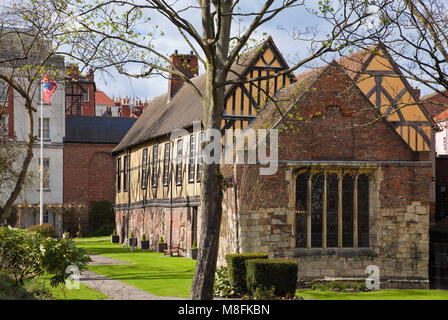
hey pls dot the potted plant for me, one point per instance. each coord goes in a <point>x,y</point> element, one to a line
<point>114,237</point>
<point>194,251</point>
<point>144,244</point>
<point>162,246</point>
<point>132,240</point>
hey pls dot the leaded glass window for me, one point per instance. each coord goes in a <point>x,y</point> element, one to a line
<point>332,209</point>
<point>166,164</point>
<point>144,167</point>
<point>317,192</point>
<point>179,162</point>
<point>363,210</point>
<point>347,210</point>
<point>155,160</point>
<point>301,209</point>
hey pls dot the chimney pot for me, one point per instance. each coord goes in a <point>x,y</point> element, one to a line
<point>190,70</point>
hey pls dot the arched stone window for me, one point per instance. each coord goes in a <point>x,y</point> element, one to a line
<point>332,208</point>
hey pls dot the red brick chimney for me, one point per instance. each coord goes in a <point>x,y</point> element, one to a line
<point>185,63</point>
<point>90,75</point>
<point>125,109</point>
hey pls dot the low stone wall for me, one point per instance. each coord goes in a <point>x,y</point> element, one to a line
<point>349,265</point>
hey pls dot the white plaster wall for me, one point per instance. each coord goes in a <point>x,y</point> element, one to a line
<point>52,149</point>
<point>440,148</point>
<point>55,193</point>
<point>55,112</point>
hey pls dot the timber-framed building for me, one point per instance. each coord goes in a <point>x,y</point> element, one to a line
<point>354,185</point>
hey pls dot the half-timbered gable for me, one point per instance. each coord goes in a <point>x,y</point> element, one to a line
<point>245,100</point>
<point>379,78</point>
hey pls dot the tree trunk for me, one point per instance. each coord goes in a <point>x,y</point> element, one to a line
<point>211,212</point>
<point>211,198</point>
<point>4,212</point>
<point>211,185</point>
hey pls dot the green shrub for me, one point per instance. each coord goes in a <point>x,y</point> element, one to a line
<point>47,230</point>
<point>358,286</point>
<point>114,233</point>
<point>79,234</point>
<point>161,240</point>
<point>338,286</point>
<point>101,213</point>
<point>10,290</point>
<point>104,230</point>
<point>223,286</point>
<point>320,286</point>
<point>236,264</point>
<point>143,237</point>
<point>278,273</point>
<point>26,254</point>
<point>264,293</point>
<point>131,236</point>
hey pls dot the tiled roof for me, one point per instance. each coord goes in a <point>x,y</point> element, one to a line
<point>102,98</point>
<point>161,117</point>
<point>107,130</point>
<point>436,109</point>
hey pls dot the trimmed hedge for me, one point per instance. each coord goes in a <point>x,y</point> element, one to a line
<point>45,229</point>
<point>278,273</point>
<point>236,264</point>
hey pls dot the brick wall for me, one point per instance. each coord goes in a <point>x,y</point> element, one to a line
<point>176,226</point>
<point>88,107</point>
<point>89,174</point>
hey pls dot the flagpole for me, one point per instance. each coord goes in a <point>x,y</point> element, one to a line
<point>41,195</point>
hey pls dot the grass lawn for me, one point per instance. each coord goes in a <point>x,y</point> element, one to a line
<point>92,238</point>
<point>375,295</point>
<point>62,293</point>
<point>150,271</point>
<point>39,288</point>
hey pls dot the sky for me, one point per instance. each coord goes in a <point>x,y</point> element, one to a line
<point>278,28</point>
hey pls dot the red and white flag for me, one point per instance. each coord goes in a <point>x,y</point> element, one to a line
<point>49,87</point>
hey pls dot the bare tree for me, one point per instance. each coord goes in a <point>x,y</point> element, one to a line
<point>26,52</point>
<point>120,34</point>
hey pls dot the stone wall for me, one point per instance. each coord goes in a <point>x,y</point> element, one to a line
<point>398,232</point>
